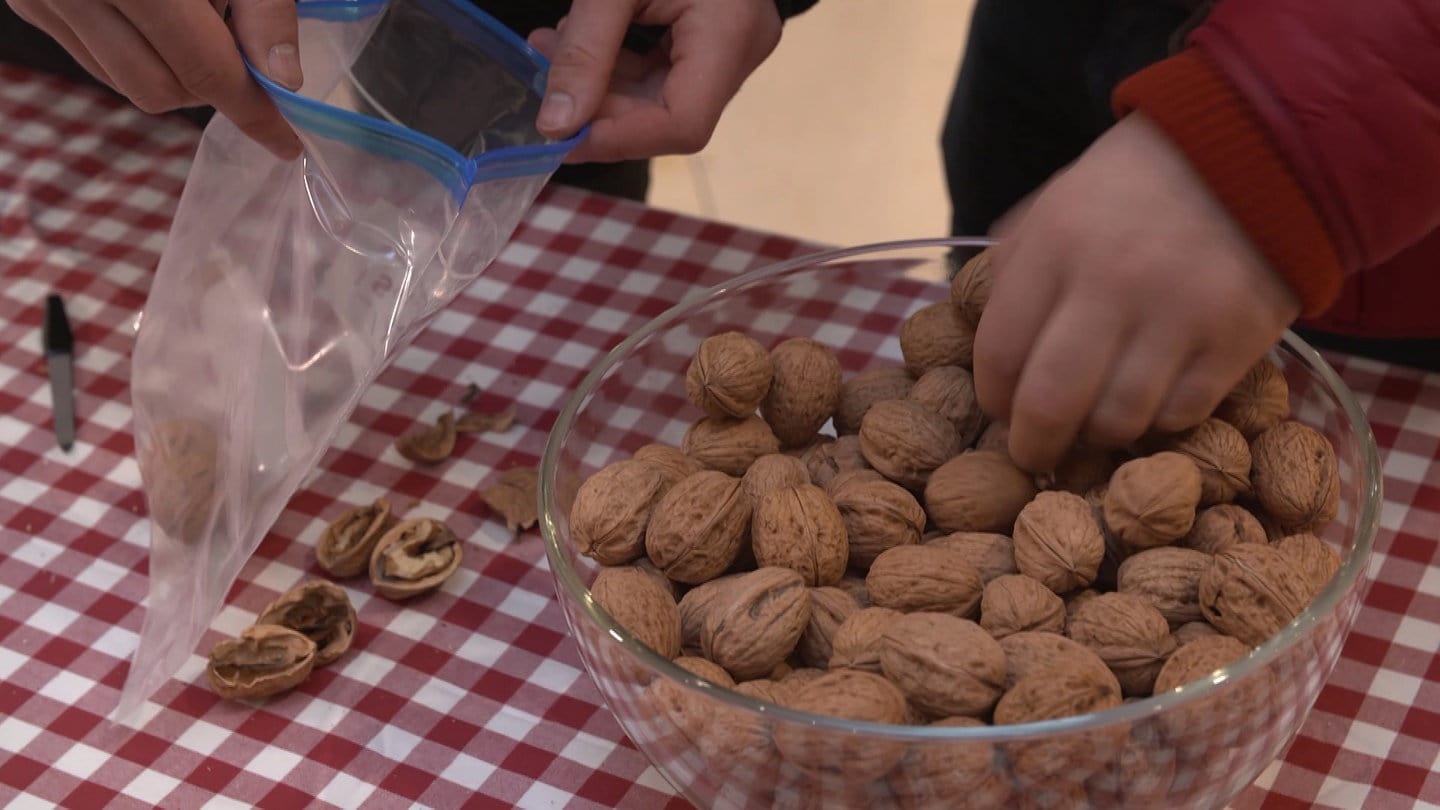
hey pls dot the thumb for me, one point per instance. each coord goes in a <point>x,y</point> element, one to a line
<point>269,35</point>
<point>582,59</point>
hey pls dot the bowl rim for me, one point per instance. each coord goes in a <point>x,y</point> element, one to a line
<point>1354,565</point>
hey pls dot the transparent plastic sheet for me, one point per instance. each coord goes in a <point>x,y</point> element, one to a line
<point>285,287</point>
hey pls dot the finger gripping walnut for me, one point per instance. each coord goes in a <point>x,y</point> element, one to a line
<point>345,547</point>
<point>322,611</point>
<point>265,660</point>
<point>414,558</point>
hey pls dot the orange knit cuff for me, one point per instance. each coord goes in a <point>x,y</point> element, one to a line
<point>1207,118</point>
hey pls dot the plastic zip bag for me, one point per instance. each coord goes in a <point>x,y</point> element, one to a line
<point>285,287</point>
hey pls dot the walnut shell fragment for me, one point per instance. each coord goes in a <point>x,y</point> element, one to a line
<point>1296,477</point>
<point>729,375</point>
<point>515,497</point>
<point>265,660</point>
<point>345,547</point>
<point>1151,500</point>
<point>429,445</point>
<point>413,558</point>
<point>1058,541</point>
<point>612,508</point>
<point>319,609</point>
<point>486,422</point>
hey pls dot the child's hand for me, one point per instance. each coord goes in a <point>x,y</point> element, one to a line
<point>666,102</point>
<point>167,54</point>
<point>1125,296</point>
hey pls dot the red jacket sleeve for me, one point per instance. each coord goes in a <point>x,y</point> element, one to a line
<point>1306,114</point>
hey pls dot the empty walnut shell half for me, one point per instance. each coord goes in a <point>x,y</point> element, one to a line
<point>430,445</point>
<point>321,611</point>
<point>265,660</point>
<point>345,547</point>
<point>413,558</point>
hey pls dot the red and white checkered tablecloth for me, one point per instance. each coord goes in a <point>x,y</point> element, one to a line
<point>474,696</point>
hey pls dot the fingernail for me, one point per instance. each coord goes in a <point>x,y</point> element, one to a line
<point>555,112</point>
<point>282,64</point>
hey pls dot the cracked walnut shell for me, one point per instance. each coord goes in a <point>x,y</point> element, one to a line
<point>979,491</point>
<point>800,528</point>
<point>612,509</point>
<point>729,375</point>
<point>413,558</point>
<point>1151,501</point>
<point>641,605</point>
<point>345,547</point>
<point>698,528</point>
<point>319,609</point>
<point>805,390</point>
<point>1296,477</point>
<point>1058,541</point>
<point>264,660</point>
<point>430,445</point>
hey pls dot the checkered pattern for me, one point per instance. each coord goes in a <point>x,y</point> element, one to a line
<point>473,696</point>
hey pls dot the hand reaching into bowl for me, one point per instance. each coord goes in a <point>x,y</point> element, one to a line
<point>168,54</point>
<point>1125,296</point>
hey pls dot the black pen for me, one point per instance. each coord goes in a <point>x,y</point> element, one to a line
<point>59,354</point>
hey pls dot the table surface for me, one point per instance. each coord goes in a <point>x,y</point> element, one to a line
<point>473,696</point>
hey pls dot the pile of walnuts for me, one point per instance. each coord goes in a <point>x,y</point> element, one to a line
<point>904,570</point>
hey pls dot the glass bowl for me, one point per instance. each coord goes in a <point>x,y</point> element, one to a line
<point>1197,746</point>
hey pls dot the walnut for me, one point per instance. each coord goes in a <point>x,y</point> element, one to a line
<point>905,441</point>
<point>697,529</point>
<point>319,609</point>
<point>925,578</point>
<point>344,549</point>
<point>1251,591</point>
<point>800,528</point>
<point>1151,501</point>
<point>849,695</point>
<point>934,336</point>
<point>705,670</point>
<point>1082,469</point>
<point>757,622</point>
<point>996,437</point>
<point>1296,477</point>
<point>936,770</point>
<point>612,508</point>
<point>826,460</point>
<point>1075,600</point>
<point>430,445</point>
<point>1221,527</point>
<point>1015,602</point>
<point>729,445</point>
<point>979,491</point>
<point>640,605</point>
<point>945,665</point>
<point>878,515</point>
<point>1054,694</point>
<point>856,587</point>
<point>1260,401</point>
<point>1315,558</point>
<point>671,462</point>
<point>729,375</point>
<point>1058,542</point>
<point>1169,579</point>
<point>265,660</point>
<point>970,289</point>
<point>1222,455</point>
<point>179,465</point>
<point>857,641</point>
<point>1128,634</point>
<point>950,392</point>
<point>805,390</point>
<point>829,608</point>
<point>414,557</point>
<point>1033,652</point>
<point>992,554</point>
<point>1190,631</point>
<point>868,387</point>
<point>695,608</point>
<point>1198,659</point>
<point>514,495</point>
<point>773,471</point>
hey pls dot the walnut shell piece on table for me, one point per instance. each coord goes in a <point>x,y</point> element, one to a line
<point>934,336</point>
<point>800,528</point>
<point>322,611</point>
<point>925,579</point>
<point>773,471</point>
<point>825,460</point>
<point>179,461</point>
<point>729,375</point>
<point>1223,526</point>
<point>878,514</point>
<point>804,392</point>
<point>757,622</point>
<point>866,388</point>
<point>729,445</point>
<point>1222,455</point>
<point>847,694</point>
<point>1128,634</point>
<point>829,608</point>
<point>612,508</point>
<point>979,491</point>
<point>641,605</point>
<point>1198,659</point>
<point>1168,578</point>
<point>858,640</point>
<point>414,557</point>
<point>344,549</point>
<point>1260,401</point>
<point>1030,652</point>
<point>1316,558</point>
<point>1015,602</point>
<point>1296,477</point>
<point>970,288</point>
<point>670,461</point>
<point>514,495</point>
<point>697,529</point>
<point>486,421</point>
<point>1058,541</point>
<point>950,392</point>
<point>946,666</point>
<point>264,660</point>
<point>429,445</point>
<point>1251,591</point>
<point>905,441</point>
<point>1151,501</point>
<point>992,554</point>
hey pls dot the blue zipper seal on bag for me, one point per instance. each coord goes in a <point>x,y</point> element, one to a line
<point>456,171</point>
